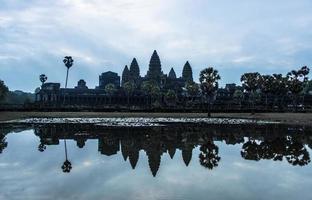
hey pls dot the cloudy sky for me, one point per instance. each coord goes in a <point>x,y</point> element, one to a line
<point>232,36</point>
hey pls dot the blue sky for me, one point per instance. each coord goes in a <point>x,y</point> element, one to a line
<point>232,36</point>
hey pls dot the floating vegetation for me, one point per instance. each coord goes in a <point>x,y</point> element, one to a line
<point>137,121</point>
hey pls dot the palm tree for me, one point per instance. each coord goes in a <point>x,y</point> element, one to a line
<point>251,83</point>
<point>43,78</point>
<point>266,86</point>
<point>3,143</point>
<point>208,79</point>
<point>296,81</point>
<point>129,88</point>
<point>67,166</point>
<point>68,61</point>
<point>152,90</point>
<point>279,88</point>
<point>209,155</point>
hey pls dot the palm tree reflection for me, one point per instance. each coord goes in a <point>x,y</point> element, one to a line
<point>3,143</point>
<point>67,166</point>
<point>209,156</point>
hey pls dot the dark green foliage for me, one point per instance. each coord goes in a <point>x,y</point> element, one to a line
<point>308,87</point>
<point>266,84</point>
<point>192,88</point>
<point>297,80</point>
<point>187,73</point>
<point>284,147</point>
<point>18,97</point>
<point>171,96</point>
<point>209,155</point>
<point>251,83</point>
<point>3,90</point>
<point>3,143</point>
<point>151,88</point>
<point>209,78</point>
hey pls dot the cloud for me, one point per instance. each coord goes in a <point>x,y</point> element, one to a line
<point>106,35</point>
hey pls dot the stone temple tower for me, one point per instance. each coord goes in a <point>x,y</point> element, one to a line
<point>154,71</point>
<point>187,73</point>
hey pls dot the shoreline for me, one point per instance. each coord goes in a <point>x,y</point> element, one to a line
<point>285,118</point>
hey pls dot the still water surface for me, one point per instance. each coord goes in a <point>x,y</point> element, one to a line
<point>178,161</point>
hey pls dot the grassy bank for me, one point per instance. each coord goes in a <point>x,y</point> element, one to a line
<point>289,118</point>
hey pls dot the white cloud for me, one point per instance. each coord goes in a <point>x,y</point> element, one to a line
<point>258,33</point>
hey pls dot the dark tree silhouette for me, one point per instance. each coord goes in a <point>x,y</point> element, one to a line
<point>251,83</point>
<point>251,151</point>
<point>297,154</point>
<point>3,90</point>
<point>266,87</point>
<point>43,78</point>
<point>289,147</point>
<point>68,61</point>
<point>209,157</point>
<point>3,143</point>
<point>209,78</point>
<point>296,81</point>
<point>41,147</point>
<point>279,88</point>
<point>66,167</point>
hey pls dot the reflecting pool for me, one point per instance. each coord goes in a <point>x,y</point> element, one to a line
<point>176,161</point>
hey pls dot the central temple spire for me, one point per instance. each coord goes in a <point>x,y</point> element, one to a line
<point>154,71</point>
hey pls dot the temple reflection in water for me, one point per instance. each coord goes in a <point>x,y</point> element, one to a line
<point>258,142</point>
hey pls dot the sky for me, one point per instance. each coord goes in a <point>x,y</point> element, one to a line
<point>104,35</point>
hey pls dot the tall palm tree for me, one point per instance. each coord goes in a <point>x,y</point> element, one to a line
<point>68,61</point>
<point>43,78</point>
<point>208,79</point>
<point>67,166</point>
<point>266,86</point>
<point>296,81</point>
<point>251,83</point>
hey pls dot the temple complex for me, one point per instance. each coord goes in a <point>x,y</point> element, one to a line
<point>53,94</point>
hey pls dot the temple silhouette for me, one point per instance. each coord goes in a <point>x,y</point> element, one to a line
<point>52,95</point>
